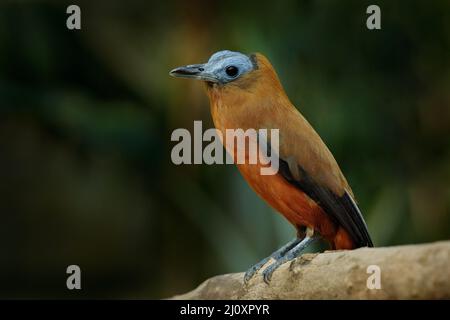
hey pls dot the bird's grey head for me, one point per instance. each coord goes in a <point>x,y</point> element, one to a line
<point>222,67</point>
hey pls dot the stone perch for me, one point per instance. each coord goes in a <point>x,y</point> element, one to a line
<point>407,272</point>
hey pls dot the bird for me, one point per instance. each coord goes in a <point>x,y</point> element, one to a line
<point>309,189</point>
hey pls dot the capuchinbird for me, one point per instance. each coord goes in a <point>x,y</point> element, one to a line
<point>309,189</point>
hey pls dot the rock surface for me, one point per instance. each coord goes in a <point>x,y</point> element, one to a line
<point>407,272</point>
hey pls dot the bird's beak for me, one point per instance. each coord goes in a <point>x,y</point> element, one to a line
<point>193,71</point>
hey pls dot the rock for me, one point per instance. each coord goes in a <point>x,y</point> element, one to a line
<point>406,272</point>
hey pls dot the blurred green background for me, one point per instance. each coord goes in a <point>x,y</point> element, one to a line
<point>86,118</point>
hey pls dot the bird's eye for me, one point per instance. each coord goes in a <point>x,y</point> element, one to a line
<point>232,71</point>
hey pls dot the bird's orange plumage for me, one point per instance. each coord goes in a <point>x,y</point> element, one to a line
<point>309,189</point>
<point>257,100</point>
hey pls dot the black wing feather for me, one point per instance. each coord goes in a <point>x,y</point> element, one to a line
<point>342,209</point>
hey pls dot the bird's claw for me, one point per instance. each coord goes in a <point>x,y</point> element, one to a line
<point>268,272</point>
<point>249,274</point>
<point>286,253</point>
<point>290,255</point>
<point>254,269</point>
<point>267,276</point>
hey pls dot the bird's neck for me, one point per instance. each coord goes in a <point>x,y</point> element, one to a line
<point>255,107</point>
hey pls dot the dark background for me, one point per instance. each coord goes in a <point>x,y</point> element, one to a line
<point>86,118</point>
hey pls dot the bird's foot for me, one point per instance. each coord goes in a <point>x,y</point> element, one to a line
<point>289,256</point>
<point>276,256</point>
<point>254,269</point>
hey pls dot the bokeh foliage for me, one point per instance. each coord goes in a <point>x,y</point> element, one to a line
<point>86,118</point>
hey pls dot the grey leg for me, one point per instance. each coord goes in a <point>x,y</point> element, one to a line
<point>276,255</point>
<point>292,254</point>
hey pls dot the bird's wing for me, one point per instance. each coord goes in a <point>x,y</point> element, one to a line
<point>307,163</point>
<point>342,209</point>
